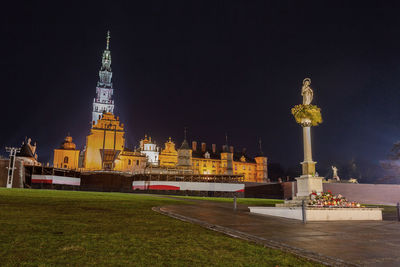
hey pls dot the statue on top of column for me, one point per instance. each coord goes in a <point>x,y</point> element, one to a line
<point>307,92</point>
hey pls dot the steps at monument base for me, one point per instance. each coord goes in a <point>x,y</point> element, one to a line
<point>322,214</point>
<point>295,202</point>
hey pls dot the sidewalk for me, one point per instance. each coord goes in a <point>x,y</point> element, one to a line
<point>352,243</point>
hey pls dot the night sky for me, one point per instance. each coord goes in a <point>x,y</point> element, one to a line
<point>214,67</point>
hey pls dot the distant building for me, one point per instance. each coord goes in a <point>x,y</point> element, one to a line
<point>169,156</point>
<point>28,153</point>
<point>150,149</point>
<point>105,146</point>
<point>205,160</point>
<point>184,156</point>
<point>67,156</point>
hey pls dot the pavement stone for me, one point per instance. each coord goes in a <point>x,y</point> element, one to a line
<point>344,243</point>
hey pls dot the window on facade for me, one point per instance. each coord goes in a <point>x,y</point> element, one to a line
<point>65,159</point>
<point>137,162</point>
<point>129,162</point>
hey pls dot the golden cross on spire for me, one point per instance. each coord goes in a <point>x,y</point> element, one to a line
<point>108,39</point>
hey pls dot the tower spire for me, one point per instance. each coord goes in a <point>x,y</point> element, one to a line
<point>185,132</point>
<point>260,152</point>
<point>185,144</point>
<point>225,148</point>
<point>103,102</point>
<point>108,40</point>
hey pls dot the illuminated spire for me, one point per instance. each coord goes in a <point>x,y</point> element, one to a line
<point>103,102</point>
<point>108,40</point>
<point>105,73</point>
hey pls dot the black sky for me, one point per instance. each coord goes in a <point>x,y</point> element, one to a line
<point>213,66</point>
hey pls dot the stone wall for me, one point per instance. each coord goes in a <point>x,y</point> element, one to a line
<point>289,189</point>
<point>19,173</point>
<point>385,194</point>
<point>106,182</point>
<point>272,190</point>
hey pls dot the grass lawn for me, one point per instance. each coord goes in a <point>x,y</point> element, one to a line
<point>244,201</point>
<point>47,228</point>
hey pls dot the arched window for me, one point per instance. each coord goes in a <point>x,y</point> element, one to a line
<point>65,159</point>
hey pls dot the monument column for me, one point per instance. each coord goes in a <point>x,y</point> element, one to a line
<point>307,115</point>
<point>307,143</point>
<point>308,165</point>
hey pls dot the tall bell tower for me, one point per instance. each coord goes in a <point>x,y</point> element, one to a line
<point>103,101</point>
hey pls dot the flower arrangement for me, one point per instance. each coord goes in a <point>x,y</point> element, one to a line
<point>307,112</point>
<point>327,199</point>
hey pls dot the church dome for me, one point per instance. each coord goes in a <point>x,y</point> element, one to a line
<point>68,144</point>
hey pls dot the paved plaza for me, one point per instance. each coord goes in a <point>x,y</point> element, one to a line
<point>345,243</point>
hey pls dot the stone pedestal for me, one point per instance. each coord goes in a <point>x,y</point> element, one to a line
<point>308,167</point>
<point>306,184</point>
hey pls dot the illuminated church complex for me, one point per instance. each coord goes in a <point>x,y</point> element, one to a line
<point>105,148</point>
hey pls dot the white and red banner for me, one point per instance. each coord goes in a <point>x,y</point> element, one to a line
<point>191,186</point>
<point>53,179</point>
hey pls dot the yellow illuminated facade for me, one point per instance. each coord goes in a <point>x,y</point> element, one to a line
<point>130,161</point>
<point>252,172</point>
<point>67,156</point>
<point>105,151</point>
<point>169,156</point>
<point>104,143</point>
<point>105,148</point>
<point>210,161</point>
